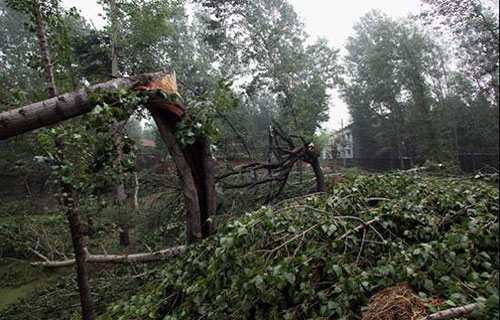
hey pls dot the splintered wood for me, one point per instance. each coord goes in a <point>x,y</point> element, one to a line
<point>167,84</point>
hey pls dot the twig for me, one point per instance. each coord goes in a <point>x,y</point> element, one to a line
<point>376,199</point>
<point>361,226</point>
<point>297,199</point>
<point>140,275</point>
<point>293,238</point>
<point>362,247</point>
<point>39,254</point>
<point>448,221</point>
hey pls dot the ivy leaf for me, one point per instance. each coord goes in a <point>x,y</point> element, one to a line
<point>290,277</point>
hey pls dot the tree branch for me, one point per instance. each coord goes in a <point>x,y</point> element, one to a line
<point>453,312</point>
<point>115,258</point>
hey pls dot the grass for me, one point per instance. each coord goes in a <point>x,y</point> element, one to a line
<point>9,295</point>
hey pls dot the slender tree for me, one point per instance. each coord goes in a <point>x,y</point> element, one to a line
<point>67,200</point>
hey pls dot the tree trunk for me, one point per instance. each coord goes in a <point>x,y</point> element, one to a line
<point>166,126</point>
<point>194,168</point>
<point>119,187</point>
<point>136,189</point>
<point>44,49</point>
<point>114,38</point>
<point>78,243</point>
<point>318,172</point>
<point>200,162</point>
<point>51,111</point>
<point>301,171</point>
<point>66,188</point>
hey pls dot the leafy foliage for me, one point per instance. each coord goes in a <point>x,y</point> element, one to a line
<point>324,256</point>
<point>200,120</point>
<point>406,101</point>
<point>89,167</point>
<point>475,26</point>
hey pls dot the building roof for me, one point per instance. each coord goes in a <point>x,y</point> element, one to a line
<point>148,143</point>
<point>348,127</point>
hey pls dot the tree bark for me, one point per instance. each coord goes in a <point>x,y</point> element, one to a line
<point>208,228</point>
<point>44,49</point>
<point>166,125</point>
<point>136,189</point>
<point>116,258</point>
<point>66,188</point>
<point>114,38</point>
<point>318,172</point>
<point>77,240</point>
<point>200,162</point>
<point>119,187</point>
<point>453,313</point>
<point>51,111</point>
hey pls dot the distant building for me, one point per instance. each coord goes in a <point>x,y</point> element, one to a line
<point>343,142</point>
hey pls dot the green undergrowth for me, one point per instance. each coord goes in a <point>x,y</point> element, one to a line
<point>324,256</point>
<point>56,298</point>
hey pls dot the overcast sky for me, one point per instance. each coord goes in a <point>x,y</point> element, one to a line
<point>330,19</point>
<point>334,20</point>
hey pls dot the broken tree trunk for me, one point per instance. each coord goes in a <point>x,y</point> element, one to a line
<point>167,134</point>
<point>117,258</point>
<point>318,172</point>
<point>194,162</point>
<point>51,111</point>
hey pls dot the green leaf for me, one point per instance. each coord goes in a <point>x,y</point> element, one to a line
<point>290,277</point>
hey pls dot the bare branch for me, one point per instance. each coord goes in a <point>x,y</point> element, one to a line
<point>115,258</point>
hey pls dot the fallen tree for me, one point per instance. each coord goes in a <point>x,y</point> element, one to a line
<point>193,162</point>
<point>116,258</point>
<point>287,155</point>
<point>54,110</point>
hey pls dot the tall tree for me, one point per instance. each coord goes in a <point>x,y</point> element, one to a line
<point>40,12</point>
<point>386,88</point>
<point>268,39</point>
<point>473,95</point>
<point>474,26</point>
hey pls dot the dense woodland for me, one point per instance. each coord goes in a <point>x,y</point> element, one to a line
<point>169,165</point>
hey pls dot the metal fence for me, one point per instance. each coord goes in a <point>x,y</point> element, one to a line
<point>467,163</point>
